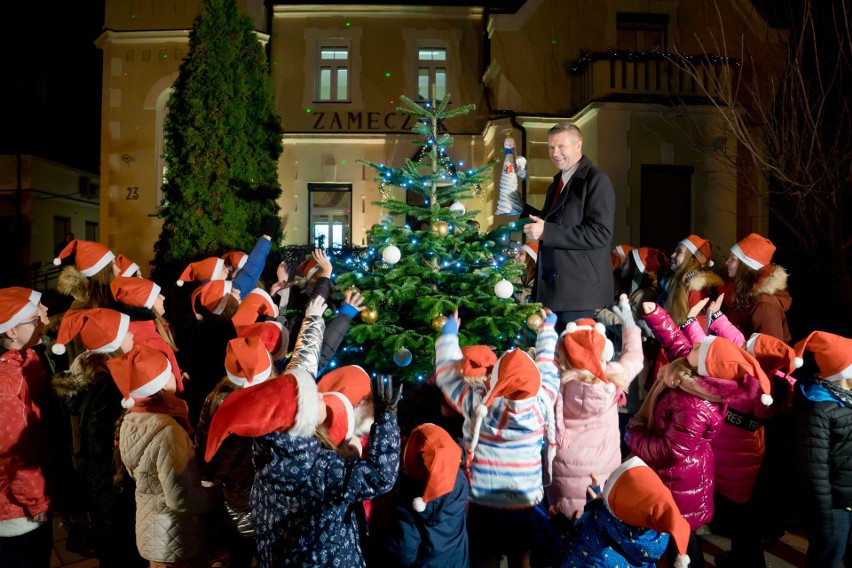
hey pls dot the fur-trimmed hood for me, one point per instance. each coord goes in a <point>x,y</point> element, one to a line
<point>703,279</point>
<point>775,282</point>
<point>87,370</point>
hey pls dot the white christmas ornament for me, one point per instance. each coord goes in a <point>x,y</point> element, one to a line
<point>386,219</point>
<point>457,208</point>
<point>509,201</point>
<point>503,289</point>
<point>391,255</point>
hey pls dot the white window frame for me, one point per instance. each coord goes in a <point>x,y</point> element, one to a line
<point>334,65</point>
<point>433,67</point>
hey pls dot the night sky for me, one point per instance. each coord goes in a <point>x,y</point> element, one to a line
<point>50,97</point>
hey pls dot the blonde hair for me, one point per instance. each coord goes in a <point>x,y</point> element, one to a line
<point>677,302</point>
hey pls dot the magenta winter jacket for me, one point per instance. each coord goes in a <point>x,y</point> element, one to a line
<point>587,428</point>
<point>738,448</point>
<point>677,447</point>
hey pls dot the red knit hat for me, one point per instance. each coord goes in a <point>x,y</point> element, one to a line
<point>619,255</point>
<point>126,267</point>
<point>341,417</point>
<point>772,353</point>
<point>235,260</point>
<point>477,360</point>
<point>649,259</point>
<point>700,249</point>
<point>722,359</point>
<point>431,455</point>
<point>16,305</point>
<point>351,381</point>
<point>140,373</point>
<point>531,248</point>
<point>256,303</point>
<point>754,251</point>
<point>89,257</point>
<point>288,403</point>
<point>100,329</point>
<point>134,291</point>
<point>207,269</point>
<point>274,336</point>
<point>587,348</point>
<point>635,495</point>
<point>832,353</point>
<point>247,361</point>
<point>213,296</point>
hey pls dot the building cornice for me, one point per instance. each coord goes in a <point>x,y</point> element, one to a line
<point>147,37</point>
<point>377,11</point>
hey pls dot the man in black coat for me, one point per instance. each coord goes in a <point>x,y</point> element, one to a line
<point>574,230</point>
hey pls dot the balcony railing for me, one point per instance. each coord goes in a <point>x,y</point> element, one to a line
<point>645,76</point>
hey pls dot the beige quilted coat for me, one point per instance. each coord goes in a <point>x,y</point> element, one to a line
<point>159,455</point>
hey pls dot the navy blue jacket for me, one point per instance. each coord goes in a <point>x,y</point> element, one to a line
<point>246,279</point>
<point>437,537</point>
<point>303,496</point>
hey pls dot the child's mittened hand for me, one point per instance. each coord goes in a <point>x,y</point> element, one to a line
<point>452,325</point>
<point>548,316</point>
<point>316,307</point>
<point>385,396</point>
<point>624,312</point>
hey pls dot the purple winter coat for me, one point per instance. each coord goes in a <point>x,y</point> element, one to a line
<point>587,428</point>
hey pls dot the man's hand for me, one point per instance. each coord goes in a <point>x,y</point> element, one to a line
<point>534,230</point>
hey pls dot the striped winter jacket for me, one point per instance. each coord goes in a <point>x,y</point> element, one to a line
<point>506,471</point>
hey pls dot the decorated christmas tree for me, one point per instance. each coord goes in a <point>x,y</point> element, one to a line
<point>414,275</point>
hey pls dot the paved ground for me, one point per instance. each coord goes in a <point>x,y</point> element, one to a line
<point>789,552</point>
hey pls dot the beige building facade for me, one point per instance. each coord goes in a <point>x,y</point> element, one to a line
<point>338,71</point>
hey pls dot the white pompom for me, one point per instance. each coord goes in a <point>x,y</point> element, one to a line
<point>391,254</point>
<point>600,328</point>
<point>682,561</point>
<point>503,289</point>
<point>57,261</point>
<point>199,317</point>
<point>711,264</point>
<point>481,411</point>
<point>571,327</point>
<point>58,348</point>
<point>609,388</point>
<point>418,504</point>
<point>798,362</point>
<point>128,403</point>
<point>180,282</point>
<point>766,399</point>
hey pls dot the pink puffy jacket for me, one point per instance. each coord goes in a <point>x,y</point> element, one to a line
<point>587,428</point>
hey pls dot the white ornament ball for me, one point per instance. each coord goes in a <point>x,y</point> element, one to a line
<point>386,219</point>
<point>402,357</point>
<point>391,255</point>
<point>457,208</point>
<point>503,289</point>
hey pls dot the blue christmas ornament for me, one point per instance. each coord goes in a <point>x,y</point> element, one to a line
<point>402,357</point>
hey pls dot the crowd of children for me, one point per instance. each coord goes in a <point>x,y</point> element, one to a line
<point>608,444</point>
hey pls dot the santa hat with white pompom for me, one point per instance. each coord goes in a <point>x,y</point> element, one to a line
<point>431,455</point>
<point>207,269</point>
<point>774,355</point>
<point>587,348</point>
<point>140,373</point>
<point>100,329</point>
<point>832,353</point>
<point>722,359</point>
<point>89,257</point>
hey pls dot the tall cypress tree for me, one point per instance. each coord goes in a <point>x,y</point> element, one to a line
<point>222,143</point>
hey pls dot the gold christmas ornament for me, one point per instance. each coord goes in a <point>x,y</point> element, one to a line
<point>438,322</point>
<point>440,228</point>
<point>534,322</point>
<point>475,224</point>
<point>353,290</point>
<point>370,315</point>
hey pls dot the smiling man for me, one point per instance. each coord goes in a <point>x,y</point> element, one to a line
<point>574,229</point>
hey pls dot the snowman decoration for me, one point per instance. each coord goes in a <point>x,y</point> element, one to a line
<point>514,168</point>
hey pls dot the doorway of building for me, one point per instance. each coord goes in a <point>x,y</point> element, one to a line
<point>666,206</point>
<point>330,214</point>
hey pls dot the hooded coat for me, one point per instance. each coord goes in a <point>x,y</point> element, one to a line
<point>303,496</point>
<point>159,456</point>
<point>768,313</point>
<point>588,437</point>
<point>600,540</point>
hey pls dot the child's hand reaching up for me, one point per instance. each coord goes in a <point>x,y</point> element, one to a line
<point>316,307</point>
<point>624,311</point>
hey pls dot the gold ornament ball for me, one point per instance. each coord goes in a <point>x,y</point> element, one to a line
<point>438,322</point>
<point>440,228</point>
<point>370,315</point>
<point>475,224</point>
<point>353,290</point>
<point>534,322</point>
